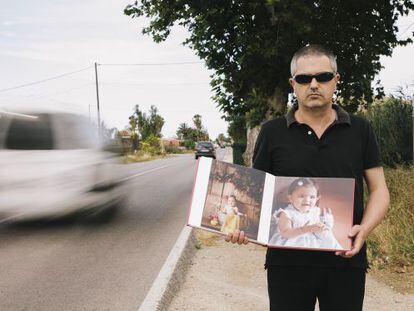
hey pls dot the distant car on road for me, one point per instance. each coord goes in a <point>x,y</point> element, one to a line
<point>205,149</point>
<point>53,165</point>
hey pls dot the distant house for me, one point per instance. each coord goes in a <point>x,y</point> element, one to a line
<point>126,140</point>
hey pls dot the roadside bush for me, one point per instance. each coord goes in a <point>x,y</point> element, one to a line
<point>152,145</point>
<point>392,242</point>
<point>391,120</point>
<point>189,144</point>
<point>172,149</point>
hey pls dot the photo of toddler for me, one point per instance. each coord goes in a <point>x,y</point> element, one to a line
<point>229,216</point>
<point>302,223</point>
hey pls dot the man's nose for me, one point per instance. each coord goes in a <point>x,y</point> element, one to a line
<point>314,84</point>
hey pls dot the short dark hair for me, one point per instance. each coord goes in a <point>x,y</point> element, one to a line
<point>303,182</point>
<point>313,49</point>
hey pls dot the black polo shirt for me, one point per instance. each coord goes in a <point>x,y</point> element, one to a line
<point>286,147</point>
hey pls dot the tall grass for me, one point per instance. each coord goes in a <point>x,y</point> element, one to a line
<point>391,120</point>
<point>392,242</point>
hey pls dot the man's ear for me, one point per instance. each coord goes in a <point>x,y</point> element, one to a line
<point>338,77</point>
<point>292,82</point>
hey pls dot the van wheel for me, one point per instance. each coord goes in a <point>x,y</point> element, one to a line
<point>103,216</point>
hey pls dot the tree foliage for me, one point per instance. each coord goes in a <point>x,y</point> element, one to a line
<point>196,133</point>
<point>391,120</point>
<point>184,131</point>
<point>249,44</point>
<point>146,125</point>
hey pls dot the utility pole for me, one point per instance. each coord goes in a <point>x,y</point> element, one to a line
<point>97,97</point>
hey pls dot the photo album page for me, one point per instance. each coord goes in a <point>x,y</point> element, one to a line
<point>278,211</point>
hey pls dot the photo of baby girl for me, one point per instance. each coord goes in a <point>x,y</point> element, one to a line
<point>301,220</point>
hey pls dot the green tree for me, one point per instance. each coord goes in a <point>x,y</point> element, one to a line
<point>184,131</point>
<point>133,128</point>
<point>249,44</point>
<point>146,125</point>
<point>199,130</point>
<point>197,122</point>
<point>222,139</point>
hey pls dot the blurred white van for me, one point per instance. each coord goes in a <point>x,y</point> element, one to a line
<point>53,164</point>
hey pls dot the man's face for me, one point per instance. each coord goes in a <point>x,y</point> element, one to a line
<point>315,94</point>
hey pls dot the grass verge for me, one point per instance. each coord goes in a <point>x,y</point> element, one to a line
<point>141,156</point>
<point>391,245</point>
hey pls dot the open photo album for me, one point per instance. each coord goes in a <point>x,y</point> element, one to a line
<point>278,211</point>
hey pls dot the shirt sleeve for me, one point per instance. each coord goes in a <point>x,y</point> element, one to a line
<point>372,156</point>
<point>261,155</point>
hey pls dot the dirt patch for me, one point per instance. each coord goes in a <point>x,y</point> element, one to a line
<point>401,281</point>
<point>206,238</point>
<point>223,277</point>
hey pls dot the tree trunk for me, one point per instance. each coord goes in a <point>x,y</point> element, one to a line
<point>277,106</point>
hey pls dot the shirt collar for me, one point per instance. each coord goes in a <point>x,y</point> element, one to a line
<point>341,115</point>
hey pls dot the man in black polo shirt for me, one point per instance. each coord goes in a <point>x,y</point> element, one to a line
<point>319,139</point>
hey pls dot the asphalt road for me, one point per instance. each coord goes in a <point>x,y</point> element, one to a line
<point>74,265</point>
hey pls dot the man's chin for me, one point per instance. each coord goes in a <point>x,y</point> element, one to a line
<point>316,105</point>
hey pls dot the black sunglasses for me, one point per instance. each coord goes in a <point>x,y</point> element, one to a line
<point>320,77</point>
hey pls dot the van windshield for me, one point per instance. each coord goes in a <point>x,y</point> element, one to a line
<point>30,133</point>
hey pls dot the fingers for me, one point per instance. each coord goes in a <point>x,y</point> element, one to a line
<point>238,237</point>
<point>358,234</point>
<point>241,238</point>
<point>329,211</point>
<point>357,245</point>
<point>354,231</point>
<point>235,236</point>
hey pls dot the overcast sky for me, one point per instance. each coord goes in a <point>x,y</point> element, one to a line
<point>41,39</point>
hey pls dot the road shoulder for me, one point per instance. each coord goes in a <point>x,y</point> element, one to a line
<point>226,277</point>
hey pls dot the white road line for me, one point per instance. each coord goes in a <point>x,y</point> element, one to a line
<point>154,297</point>
<point>146,172</point>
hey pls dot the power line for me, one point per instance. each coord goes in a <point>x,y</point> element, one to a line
<point>39,96</point>
<point>86,68</point>
<point>153,64</point>
<point>44,80</point>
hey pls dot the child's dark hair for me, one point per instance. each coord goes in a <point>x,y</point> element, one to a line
<point>231,196</point>
<point>303,182</point>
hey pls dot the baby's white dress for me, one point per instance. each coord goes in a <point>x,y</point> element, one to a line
<point>324,240</point>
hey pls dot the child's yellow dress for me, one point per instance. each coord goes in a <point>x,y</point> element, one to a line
<point>231,222</point>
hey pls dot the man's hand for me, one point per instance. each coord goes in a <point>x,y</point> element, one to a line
<point>359,234</point>
<point>237,237</point>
